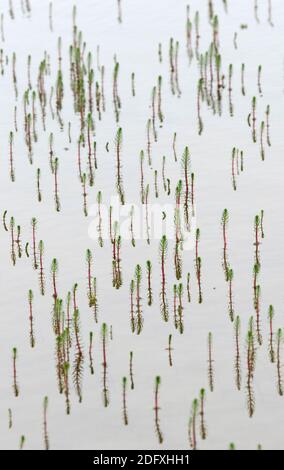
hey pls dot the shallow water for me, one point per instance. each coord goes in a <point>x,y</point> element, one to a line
<point>66,234</point>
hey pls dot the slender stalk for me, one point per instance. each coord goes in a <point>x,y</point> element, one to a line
<point>157,409</point>
<point>132,315</point>
<point>279,364</point>
<point>142,192</point>
<point>198,266</point>
<point>180,308</point>
<point>210,363</point>
<point>243,80</point>
<point>132,227</point>
<point>188,287</point>
<point>186,169</point>
<point>18,241</point>
<point>231,305</point>
<point>13,252</point>
<point>15,382</point>
<point>90,353</point>
<point>105,388</point>
<point>224,222</point>
<point>139,315</point>
<point>119,12</point>
<point>56,194</point>
<point>32,337</point>
<point>45,432</point>
<point>254,119</point>
<point>10,418</point>
<point>12,170</point>
<point>271,334</point>
<point>79,357</point>
<point>131,370</point>
<point>251,357</point>
<point>125,414</point>
<point>267,113</point>
<point>54,272</point>
<point>192,425</point>
<point>237,328</point>
<point>39,194</point>
<point>164,302</point>
<point>34,224</point>
<point>259,70</point>
<point>170,349</point>
<point>118,143</point>
<point>149,283</point>
<point>203,430</point>
<point>133,84</point>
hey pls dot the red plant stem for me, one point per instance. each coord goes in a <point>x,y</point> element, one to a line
<point>34,247</point>
<point>104,352</point>
<point>79,159</point>
<point>11,157</point>
<point>254,287</point>
<point>105,368</point>
<point>110,226</point>
<point>199,283</point>
<point>41,269</point>
<point>250,374</point>
<point>192,193</point>
<point>196,251</point>
<point>176,255</point>
<point>156,406</point>
<point>118,260</point>
<point>118,169</point>
<point>54,285</point>
<point>74,300</point>
<point>198,103</point>
<point>258,320</point>
<point>230,294</point>
<point>138,298</point>
<point>194,431</point>
<point>68,326</point>
<point>225,248</point>
<point>90,97</point>
<point>90,150</point>
<point>85,197</point>
<point>132,307</point>
<point>256,245</point>
<point>253,120</point>
<point>95,156</point>
<point>89,279</point>
<point>78,341</point>
<point>178,212</point>
<point>186,191</point>
<point>163,279</point>
<point>114,249</point>
<point>131,371</point>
